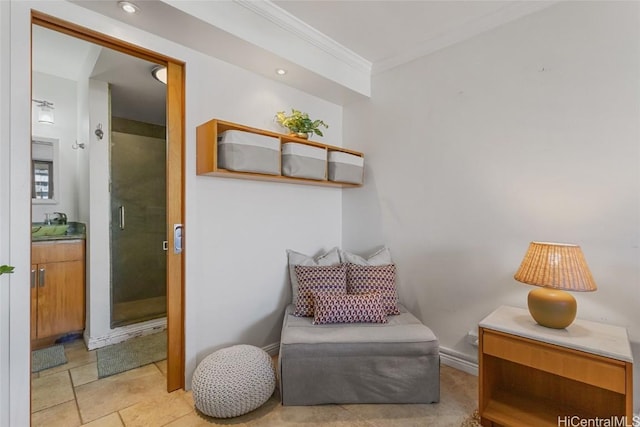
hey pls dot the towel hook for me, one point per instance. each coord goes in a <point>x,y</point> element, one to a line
<point>99,133</point>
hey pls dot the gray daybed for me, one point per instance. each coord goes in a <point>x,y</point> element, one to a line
<point>395,362</point>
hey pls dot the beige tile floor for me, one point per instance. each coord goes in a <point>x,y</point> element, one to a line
<point>71,395</point>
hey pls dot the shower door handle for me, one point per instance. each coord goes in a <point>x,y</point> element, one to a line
<point>121,215</point>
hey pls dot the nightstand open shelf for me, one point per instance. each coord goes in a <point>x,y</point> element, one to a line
<point>507,408</point>
<point>533,376</point>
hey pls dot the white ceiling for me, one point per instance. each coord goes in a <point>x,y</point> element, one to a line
<point>386,32</point>
<point>135,94</point>
<point>47,49</point>
<point>330,48</point>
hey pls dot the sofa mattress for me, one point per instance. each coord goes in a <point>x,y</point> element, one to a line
<point>396,362</point>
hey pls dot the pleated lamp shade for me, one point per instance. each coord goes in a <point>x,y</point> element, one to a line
<point>556,267</point>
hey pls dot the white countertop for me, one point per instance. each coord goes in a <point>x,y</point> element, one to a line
<point>591,337</point>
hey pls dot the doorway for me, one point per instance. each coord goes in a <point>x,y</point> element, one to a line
<point>174,192</point>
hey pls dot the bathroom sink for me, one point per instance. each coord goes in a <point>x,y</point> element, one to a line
<point>49,230</point>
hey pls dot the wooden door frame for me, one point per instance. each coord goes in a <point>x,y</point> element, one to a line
<point>175,178</point>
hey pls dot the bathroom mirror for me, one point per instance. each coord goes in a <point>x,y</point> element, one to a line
<point>44,171</point>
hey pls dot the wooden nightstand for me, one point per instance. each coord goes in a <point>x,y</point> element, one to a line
<point>531,375</point>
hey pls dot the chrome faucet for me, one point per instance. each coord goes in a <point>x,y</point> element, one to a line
<point>61,219</point>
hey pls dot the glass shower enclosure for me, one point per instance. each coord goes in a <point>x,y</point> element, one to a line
<point>138,222</point>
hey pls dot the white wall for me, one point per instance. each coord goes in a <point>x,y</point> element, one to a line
<point>16,127</point>
<point>63,94</point>
<point>98,231</point>
<point>5,176</point>
<point>85,134</point>
<point>527,132</point>
<point>236,231</point>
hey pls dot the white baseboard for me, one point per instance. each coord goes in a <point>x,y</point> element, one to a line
<point>273,348</point>
<point>126,332</point>
<point>458,360</point>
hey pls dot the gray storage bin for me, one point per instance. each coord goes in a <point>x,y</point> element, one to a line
<point>248,152</point>
<point>345,167</point>
<point>304,161</point>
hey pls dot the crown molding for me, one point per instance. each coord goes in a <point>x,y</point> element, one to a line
<point>304,31</point>
<point>463,32</point>
<point>264,35</point>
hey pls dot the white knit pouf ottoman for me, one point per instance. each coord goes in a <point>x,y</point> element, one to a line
<point>233,381</point>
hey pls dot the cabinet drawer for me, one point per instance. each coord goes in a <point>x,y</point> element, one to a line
<point>61,250</point>
<point>591,369</point>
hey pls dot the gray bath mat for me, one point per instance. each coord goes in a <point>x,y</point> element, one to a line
<point>131,354</point>
<point>46,358</point>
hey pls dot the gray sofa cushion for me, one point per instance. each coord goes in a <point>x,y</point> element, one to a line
<point>396,362</point>
<point>403,328</point>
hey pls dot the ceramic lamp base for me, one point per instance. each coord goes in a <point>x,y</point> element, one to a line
<point>552,308</point>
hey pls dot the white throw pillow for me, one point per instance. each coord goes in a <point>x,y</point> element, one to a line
<point>381,257</point>
<point>296,258</point>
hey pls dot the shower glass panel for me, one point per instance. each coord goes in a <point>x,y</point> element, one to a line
<point>138,222</point>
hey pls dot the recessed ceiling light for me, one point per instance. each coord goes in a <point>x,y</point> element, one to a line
<point>159,72</point>
<point>281,71</point>
<point>128,6</point>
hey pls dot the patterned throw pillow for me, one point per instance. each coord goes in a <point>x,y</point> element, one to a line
<point>363,279</point>
<point>311,279</point>
<point>296,258</point>
<point>343,308</point>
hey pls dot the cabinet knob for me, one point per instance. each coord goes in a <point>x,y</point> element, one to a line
<point>33,279</point>
<point>41,277</point>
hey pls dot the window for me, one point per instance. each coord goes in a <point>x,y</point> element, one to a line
<point>42,181</point>
<point>44,170</point>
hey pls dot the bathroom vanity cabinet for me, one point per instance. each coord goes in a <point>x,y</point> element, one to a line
<point>57,289</point>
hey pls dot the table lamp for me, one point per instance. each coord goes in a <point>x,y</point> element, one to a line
<point>556,268</point>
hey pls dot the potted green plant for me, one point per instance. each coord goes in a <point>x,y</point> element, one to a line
<point>6,269</point>
<point>299,123</point>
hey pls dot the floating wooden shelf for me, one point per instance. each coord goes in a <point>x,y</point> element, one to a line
<point>207,154</point>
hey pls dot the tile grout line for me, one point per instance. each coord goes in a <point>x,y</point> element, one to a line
<point>75,397</point>
<point>118,411</point>
<point>74,387</point>
<point>120,417</point>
